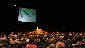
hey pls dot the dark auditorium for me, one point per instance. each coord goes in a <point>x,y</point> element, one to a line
<point>42,24</point>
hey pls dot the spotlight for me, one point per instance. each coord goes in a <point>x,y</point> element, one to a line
<point>15,5</point>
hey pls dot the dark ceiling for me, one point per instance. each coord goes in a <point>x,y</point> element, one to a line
<point>51,15</point>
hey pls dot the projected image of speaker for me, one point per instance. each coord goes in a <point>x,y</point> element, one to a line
<point>27,15</point>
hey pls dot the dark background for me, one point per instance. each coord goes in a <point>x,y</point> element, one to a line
<point>51,15</point>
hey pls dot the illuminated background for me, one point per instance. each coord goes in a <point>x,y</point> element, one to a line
<point>27,18</point>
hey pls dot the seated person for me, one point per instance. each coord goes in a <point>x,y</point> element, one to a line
<point>60,43</point>
<point>31,44</point>
<point>13,41</point>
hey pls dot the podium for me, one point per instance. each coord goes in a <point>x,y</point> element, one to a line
<point>38,31</point>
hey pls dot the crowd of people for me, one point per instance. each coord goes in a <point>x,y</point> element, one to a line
<point>44,40</point>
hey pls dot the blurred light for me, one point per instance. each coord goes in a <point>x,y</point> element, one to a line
<point>47,38</point>
<point>57,32</point>
<point>37,27</point>
<point>69,45</point>
<point>81,34</point>
<point>68,39</point>
<point>30,32</point>
<point>46,32</point>
<point>14,5</point>
<point>73,32</point>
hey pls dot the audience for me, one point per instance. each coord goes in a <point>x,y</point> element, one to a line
<point>45,40</point>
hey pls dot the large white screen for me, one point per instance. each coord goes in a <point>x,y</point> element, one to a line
<point>27,15</point>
